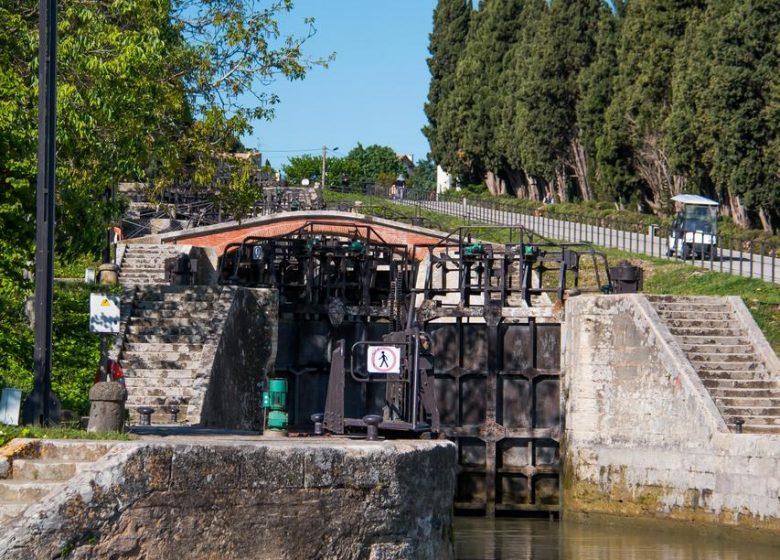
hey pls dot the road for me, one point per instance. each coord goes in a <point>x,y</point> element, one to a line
<point>729,259</point>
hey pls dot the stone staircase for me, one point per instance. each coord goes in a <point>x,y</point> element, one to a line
<point>144,265</point>
<point>43,468</point>
<point>162,352</point>
<point>719,347</point>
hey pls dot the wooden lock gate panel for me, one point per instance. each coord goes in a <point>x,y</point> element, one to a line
<point>498,391</point>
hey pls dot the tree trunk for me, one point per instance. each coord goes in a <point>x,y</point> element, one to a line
<point>738,212</point>
<point>766,221</point>
<point>653,167</point>
<point>560,184</point>
<point>536,187</point>
<point>495,184</point>
<point>580,166</point>
<point>517,184</point>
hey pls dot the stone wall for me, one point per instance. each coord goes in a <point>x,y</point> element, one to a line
<point>240,356</point>
<point>279,500</point>
<point>642,435</point>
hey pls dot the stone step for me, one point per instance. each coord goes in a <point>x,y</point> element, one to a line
<point>135,401</point>
<point>143,266</point>
<point>721,357</point>
<point>699,323</point>
<point>163,305</point>
<point>180,321</point>
<point>9,510</point>
<point>701,300</point>
<point>157,277</point>
<point>770,393</point>
<point>742,384</point>
<point>753,420</point>
<point>709,374</point>
<point>149,255</point>
<point>137,385</point>
<point>713,340</point>
<point>712,366</point>
<point>134,338</point>
<point>752,411</point>
<point>164,347</point>
<point>140,373</point>
<point>180,312</point>
<point>169,392</point>
<point>734,333</point>
<point>717,315</point>
<point>714,349</point>
<point>192,330</point>
<point>25,490</point>
<point>47,469</point>
<point>186,289</point>
<point>136,363</point>
<point>758,429</point>
<point>74,450</point>
<point>195,297</point>
<point>747,402</point>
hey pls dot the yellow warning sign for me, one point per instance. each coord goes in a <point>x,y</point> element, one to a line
<point>103,313</point>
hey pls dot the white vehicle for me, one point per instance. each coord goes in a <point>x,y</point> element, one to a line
<point>694,232</point>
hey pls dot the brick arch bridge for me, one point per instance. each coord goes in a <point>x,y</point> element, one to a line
<point>219,237</point>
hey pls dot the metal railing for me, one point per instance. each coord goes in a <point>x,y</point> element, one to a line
<point>729,254</point>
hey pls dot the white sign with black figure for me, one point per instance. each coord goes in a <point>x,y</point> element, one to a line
<point>103,313</point>
<point>384,359</point>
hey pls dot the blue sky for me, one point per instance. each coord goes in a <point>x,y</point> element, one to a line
<point>372,93</point>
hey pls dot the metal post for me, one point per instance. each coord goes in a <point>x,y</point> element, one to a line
<point>37,409</point>
<point>103,357</point>
<point>324,156</point>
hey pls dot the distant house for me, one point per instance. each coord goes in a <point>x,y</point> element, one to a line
<point>407,161</point>
<point>444,180</point>
<point>255,157</point>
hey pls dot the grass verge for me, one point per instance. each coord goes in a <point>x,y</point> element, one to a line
<point>7,433</point>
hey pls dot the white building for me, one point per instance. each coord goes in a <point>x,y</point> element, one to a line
<point>444,180</point>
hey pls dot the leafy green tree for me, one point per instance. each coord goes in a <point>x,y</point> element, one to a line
<point>423,179</point>
<point>447,42</point>
<point>145,87</point>
<point>301,167</point>
<point>371,161</point>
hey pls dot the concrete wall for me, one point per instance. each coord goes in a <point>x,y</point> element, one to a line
<point>279,500</point>
<point>642,435</point>
<point>240,356</point>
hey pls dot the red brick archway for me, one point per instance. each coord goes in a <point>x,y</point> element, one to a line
<point>219,238</point>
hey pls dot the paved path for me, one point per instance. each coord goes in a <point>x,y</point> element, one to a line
<point>731,260</point>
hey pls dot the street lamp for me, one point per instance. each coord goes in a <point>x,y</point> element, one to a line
<point>38,408</point>
<point>324,160</point>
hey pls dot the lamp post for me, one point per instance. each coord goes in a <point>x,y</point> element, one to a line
<point>37,409</point>
<point>324,164</point>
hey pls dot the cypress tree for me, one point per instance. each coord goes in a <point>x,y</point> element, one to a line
<point>632,162</point>
<point>595,84</point>
<point>447,42</point>
<point>506,140</point>
<point>475,107</point>
<point>565,47</point>
<point>740,108</point>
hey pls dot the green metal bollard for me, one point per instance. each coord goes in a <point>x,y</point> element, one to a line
<point>275,403</point>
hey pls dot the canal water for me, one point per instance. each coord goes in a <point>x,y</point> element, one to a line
<point>541,539</point>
